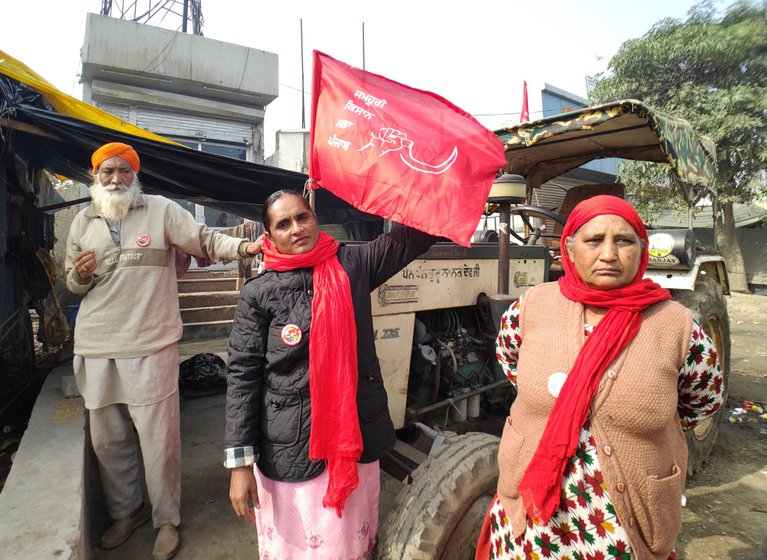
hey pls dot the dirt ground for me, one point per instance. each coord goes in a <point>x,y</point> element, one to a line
<point>726,513</point>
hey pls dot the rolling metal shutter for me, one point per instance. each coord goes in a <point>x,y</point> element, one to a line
<point>166,123</point>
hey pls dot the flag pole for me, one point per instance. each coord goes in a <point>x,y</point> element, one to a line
<point>524,116</point>
<point>303,95</point>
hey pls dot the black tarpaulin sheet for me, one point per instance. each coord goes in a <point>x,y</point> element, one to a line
<point>228,184</point>
<point>42,135</point>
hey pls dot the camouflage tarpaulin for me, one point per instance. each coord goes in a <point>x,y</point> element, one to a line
<point>543,149</point>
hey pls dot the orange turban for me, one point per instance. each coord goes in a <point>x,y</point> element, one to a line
<point>115,149</point>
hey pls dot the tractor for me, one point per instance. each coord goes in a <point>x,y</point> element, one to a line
<point>436,321</point>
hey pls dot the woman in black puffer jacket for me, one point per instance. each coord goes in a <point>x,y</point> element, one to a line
<point>304,433</point>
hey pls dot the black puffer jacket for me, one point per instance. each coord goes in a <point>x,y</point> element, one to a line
<point>267,404</point>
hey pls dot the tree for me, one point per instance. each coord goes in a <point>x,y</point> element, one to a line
<point>712,71</point>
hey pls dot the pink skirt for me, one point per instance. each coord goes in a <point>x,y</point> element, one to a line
<point>293,525</point>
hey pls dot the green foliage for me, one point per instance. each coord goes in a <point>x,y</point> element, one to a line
<point>653,188</point>
<point>711,70</point>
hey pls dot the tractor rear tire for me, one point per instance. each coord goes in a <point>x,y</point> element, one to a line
<point>439,515</point>
<point>709,308</point>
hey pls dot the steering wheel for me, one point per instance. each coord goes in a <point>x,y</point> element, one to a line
<point>527,212</point>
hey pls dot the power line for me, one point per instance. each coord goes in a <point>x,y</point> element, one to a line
<point>509,114</point>
<point>476,115</point>
<point>512,114</point>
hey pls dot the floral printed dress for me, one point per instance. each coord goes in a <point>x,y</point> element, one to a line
<point>586,527</point>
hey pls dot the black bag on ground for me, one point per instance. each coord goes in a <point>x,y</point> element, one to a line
<point>202,374</point>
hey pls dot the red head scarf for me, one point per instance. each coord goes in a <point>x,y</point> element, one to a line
<point>335,429</point>
<point>115,149</point>
<point>540,487</point>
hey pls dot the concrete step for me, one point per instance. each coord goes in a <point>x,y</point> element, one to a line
<point>189,348</point>
<point>208,299</point>
<point>207,314</point>
<point>206,330</point>
<point>209,273</point>
<point>214,284</point>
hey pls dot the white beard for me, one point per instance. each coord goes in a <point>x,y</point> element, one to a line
<point>113,202</point>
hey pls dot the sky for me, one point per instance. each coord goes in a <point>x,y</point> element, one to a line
<point>475,54</point>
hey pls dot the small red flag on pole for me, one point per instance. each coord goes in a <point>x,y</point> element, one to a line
<point>525,116</point>
<point>405,154</point>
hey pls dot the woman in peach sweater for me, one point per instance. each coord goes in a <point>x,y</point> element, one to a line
<point>609,372</point>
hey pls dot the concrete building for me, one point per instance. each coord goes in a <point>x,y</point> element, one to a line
<point>291,151</point>
<point>206,94</point>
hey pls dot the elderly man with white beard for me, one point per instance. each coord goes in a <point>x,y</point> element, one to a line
<point>120,256</point>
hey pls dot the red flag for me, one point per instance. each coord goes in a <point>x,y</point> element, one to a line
<point>525,116</point>
<point>404,154</point>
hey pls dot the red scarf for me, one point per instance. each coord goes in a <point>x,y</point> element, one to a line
<point>335,434</point>
<point>540,487</point>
